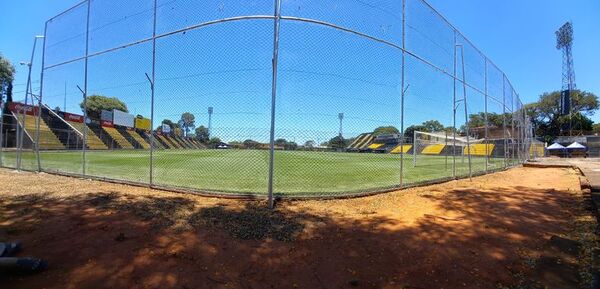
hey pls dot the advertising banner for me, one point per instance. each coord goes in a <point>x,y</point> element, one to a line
<point>123,118</point>
<point>106,115</point>
<point>73,117</point>
<point>17,107</point>
<point>142,123</point>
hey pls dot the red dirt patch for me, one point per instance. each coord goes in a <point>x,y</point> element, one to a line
<point>462,234</point>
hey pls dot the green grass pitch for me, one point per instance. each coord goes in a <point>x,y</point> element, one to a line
<point>245,171</point>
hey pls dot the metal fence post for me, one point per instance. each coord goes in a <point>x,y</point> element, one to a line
<point>504,119</point>
<point>152,96</point>
<point>415,149</point>
<point>464,83</point>
<point>276,24</point>
<point>454,112</point>
<point>402,95</point>
<point>37,133</point>
<point>85,88</point>
<point>486,123</point>
<point>1,129</point>
<point>512,125</point>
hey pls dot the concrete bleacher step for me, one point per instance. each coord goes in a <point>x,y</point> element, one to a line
<point>157,142</point>
<point>166,142</point>
<point>103,136</point>
<point>183,142</point>
<point>47,138</point>
<point>479,149</point>
<point>359,139</point>
<point>118,137</point>
<point>366,141</point>
<point>172,143</point>
<point>92,140</point>
<point>137,137</point>
<point>65,133</point>
<point>434,149</point>
<point>401,149</point>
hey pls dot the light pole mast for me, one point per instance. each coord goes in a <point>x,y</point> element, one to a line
<point>28,92</point>
<point>564,42</point>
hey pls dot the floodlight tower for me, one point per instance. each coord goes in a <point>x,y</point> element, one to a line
<point>564,42</point>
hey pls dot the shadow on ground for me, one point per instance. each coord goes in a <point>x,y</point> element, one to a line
<point>112,240</point>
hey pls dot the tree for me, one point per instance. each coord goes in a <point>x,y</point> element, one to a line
<point>337,142</point>
<point>280,142</point>
<point>202,134</point>
<point>547,119</point>
<point>309,144</point>
<point>97,103</point>
<point>187,122</point>
<point>385,130</point>
<point>426,126</point>
<point>596,128</point>
<point>251,144</point>
<point>170,123</point>
<point>409,132</point>
<point>290,146</point>
<point>493,119</point>
<point>433,126</point>
<point>214,142</point>
<point>7,76</point>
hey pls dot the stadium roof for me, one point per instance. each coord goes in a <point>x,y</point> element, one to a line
<point>556,146</point>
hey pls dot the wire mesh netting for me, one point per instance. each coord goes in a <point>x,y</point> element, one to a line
<point>325,98</point>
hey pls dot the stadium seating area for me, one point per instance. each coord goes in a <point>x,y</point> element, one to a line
<point>401,149</point>
<point>138,138</point>
<point>479,149</point>
<point>118,138</point>
<point>48,139</point>
<point>361,142</point>
<point>93,141</point>
<point>61,130</point>
<point>434,149</point>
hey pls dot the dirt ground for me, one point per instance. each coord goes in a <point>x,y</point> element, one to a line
<point>484,233</point>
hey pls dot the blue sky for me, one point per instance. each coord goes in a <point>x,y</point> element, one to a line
<point>322,71</point>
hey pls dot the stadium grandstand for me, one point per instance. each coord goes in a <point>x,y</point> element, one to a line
<point>65,131</point>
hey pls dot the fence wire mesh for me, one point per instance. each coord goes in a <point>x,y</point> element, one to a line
<point>362,96</point>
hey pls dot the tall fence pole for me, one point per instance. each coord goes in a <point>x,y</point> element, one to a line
<point>152,96</point>
<point>486,123</point>
<point>464,83</point>
<point>512,125</point>
<point>37,132</point>
<point>402,95</point>
<point>1,129</point>
<point>454,113</point>
<point>504,120</point>
<point>28,92</point>
<point>415,149</point>
<point>276,24</point>
<point>85,87</point>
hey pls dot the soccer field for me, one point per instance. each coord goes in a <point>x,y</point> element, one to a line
<point>246,171</point>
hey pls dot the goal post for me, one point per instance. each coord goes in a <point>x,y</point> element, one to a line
<point>443,144</point>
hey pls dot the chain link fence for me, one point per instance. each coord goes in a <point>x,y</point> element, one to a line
<point>250,97</point>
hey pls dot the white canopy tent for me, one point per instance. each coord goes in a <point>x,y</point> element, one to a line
<point>555,146</point>
<point>576,145</point>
